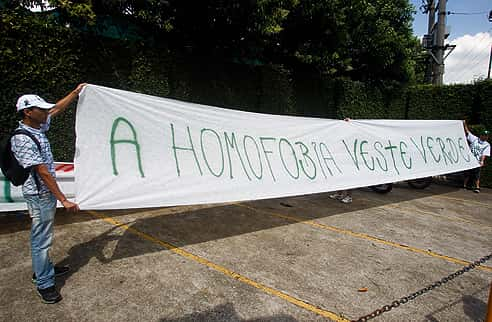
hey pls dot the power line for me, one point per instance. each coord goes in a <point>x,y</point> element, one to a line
<point>472,61</point>
<point>476,45</point>
<point>459,73</point>
<point>466,13</point>
<point>471,57</point>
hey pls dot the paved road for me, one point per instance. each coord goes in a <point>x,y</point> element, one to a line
<point>307,258</point>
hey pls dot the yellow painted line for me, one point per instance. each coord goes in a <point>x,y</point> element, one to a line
<point>434,214</point>
<point>391,206</point>
<point>488,205</point>
<point>223,270</point>
<point>368,237</point>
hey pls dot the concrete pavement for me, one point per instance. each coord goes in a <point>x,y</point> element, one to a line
<point>307,258</point>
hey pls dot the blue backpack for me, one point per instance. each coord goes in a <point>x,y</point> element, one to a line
<point>11,168</point>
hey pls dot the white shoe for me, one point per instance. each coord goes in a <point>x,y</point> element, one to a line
<point>346,199</point>
<point>337,196</point>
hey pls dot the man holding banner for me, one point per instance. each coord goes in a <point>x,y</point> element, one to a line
<point>40,190</point>
<point>480,149</point>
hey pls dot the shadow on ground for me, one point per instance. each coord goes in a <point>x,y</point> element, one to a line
<point>19,221</point>
<point>472,307</point>
<point>226,312</point>
<point>184,228</point>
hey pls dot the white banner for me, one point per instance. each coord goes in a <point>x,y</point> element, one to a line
<point>136,150</point>
<point>11,198</point>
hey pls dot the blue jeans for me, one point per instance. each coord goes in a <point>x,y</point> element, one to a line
<point>42,210</point>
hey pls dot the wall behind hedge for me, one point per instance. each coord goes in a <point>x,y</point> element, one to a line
<point>39,56</point>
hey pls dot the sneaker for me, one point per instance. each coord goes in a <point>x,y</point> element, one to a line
<point>337,196</point>
<point>49,295</point>
<point>346,199</point>
<point>477,190</point>
<point>59,271</point>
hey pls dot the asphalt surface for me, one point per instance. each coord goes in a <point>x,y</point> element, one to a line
<point>307,258</point>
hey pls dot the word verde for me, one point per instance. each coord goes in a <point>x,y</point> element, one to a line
<point>222,153</point>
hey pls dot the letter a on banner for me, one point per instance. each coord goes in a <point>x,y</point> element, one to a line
<point>134,141</point>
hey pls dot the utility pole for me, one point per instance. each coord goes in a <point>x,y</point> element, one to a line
<point>431,10</point>
<point>490,60</point>
<point>433,41</point>
<point>490,57</point>
<point>439,52</point>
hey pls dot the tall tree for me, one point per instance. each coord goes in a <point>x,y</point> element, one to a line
<point>366,39</point>
<point>361,39</point>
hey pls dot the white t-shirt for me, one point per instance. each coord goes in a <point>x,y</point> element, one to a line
<point>478,147</point>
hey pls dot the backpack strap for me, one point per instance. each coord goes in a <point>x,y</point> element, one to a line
<point>29,134</point>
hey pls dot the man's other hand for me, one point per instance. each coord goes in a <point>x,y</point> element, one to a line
<point>70,206</point>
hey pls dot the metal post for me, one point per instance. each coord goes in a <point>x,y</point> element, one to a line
<point>489,307</point>
<point>431,10</point>
<point>490,61</point>
<point>441,29</point>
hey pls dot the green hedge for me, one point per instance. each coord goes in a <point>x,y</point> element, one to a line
<point>446,102</point>
<point>482,114</point>
<point>37,55</point>
<point>369,101</point>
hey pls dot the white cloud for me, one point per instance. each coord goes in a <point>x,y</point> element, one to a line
<point>470,59</point>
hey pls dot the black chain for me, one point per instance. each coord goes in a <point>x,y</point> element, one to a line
<point>434,285</point>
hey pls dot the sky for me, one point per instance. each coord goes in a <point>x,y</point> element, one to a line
<point>470,31</point>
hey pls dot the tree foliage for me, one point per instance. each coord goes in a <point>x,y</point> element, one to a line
<point>36,56</point>
<point>46,55</point>
<point>361,39</point>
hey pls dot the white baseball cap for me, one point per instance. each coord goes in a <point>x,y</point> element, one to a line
<point>31,100</point>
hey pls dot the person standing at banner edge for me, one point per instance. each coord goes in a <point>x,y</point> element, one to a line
<point>344,196</point>
<point>480,148</point>
<point>40,190</point>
